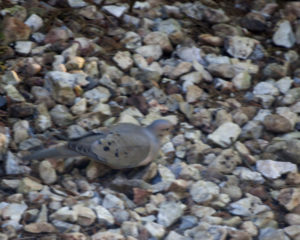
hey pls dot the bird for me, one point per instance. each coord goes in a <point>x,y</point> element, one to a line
<point>124,145</point>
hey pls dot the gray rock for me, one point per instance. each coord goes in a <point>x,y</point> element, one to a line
<point>21,130</point>
<point>13,94</point>
<point>103,215</point>
<point>10,78</point>
<point>277,123</point>
<point>240,47</point>
<point>284,35</point>
<point>226,161</point>
<point>274,169</point>
<point>98,94</point>
<point>272,234</point>
<point>35,22</point>
<point>150,51</point>
<point>265,88</point>
<point>289,198</point>
<point>169,213</point>
<point>242,81</point>
<point>61,116</point>
<point>132,40</point>
<point>225,135</point>
<point>248,175</point>
<point>169,26</point>
<point>204,191</point>
<point>47,172</point>
<point>190,54</point>
<point>156,230</point>
<point>284,84</point>
<point>24,47</point>
<point>223,70</point>
<point>252,129</point>
<point>13,165</point>
<point>114,10</point>
<point>111,201</point>
<point>43,120</point>
<point>123,60</point>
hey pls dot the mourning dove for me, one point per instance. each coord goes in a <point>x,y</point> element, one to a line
<point>124,145</point>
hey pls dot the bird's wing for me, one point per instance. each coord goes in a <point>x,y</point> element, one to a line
<point>125,146</point>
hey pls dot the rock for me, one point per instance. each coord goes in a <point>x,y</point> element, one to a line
<point>131,40</point>
<point>23,47</point>
<point>226,161</point>
<point>190,79</point>
<point>74,236</point>
<point>193,93</point>
<point>13,94</point>
<point>123,59</point>
<point>27,185</point>
<point>223,70</point>
<point>14,30</point>
<point>21,131</point>
<point>240,47</point>
<point>61,116</point>
<point>289,198</point>
<point>204,191</point>
<point>215,15</point>
<point>79,107</point>
<point>75,63</point>
<point>275,70</point>
<point>169,26</point>
<point>190,54</point>
<point>35,22</point>
<point>86,216</point>
<point>175,236</point>
<point>150,51</point>
<point>254,22</point>
<point>265,88</point>
<point>47,172</point>
<point>292,219</point>
<point>98,94</point>
<point>116,11</point>
<point>130,229</point>
<point>284,84</point>
<point>274,169</point>
<point>57,35</point>
<point>40,227</point>
<point>277,123</point>
<point>242,81</point>
<point>248,175</point>
<point>43,120</point>
<point>60,85</point>
<point>156,230</point>
<point>103,215</point>
<point>225,135</point>
<point>13,165</point>
<point>169,213</point>
<point>160,38</point>
<point>248,206</point>
<point>10,77</point>
<point>111,201</point>
<point>284,35</point>
<point>107,235</point>
<point>272,233</point>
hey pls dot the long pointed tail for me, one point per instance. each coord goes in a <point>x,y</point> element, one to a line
<point>54,152</point>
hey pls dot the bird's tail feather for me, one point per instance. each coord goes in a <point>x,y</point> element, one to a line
<point>54,152</point>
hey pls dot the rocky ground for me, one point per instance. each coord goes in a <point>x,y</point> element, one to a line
<point>227,73</point>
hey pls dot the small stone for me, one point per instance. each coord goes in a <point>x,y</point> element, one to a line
<point>27,185</point>
<point>116,11</point>
<point>111,201</point>
<point>47,172</point>
<point>275,70</point>
<point>169,213</point>
<point>190,54</point>
<point>292,219</point>
<point>272,234</point>
<point>123,59</point>
<point>103,215</point>
<point>289,198</point>
<point>204,191</point>
<point>40,227</point>
<point>96,95</point>
<point>74,236</point>
<point>75,63</point>
<point>160,38</point>
<point>107,235</point>
<point>77,3</point>
<point>23,47</point>
<point>193,93</point>
<point>224,70</point>
<point>240,47</point>
<point>156,230</point>
<point>21,131</point>
<point>226,134</point>
<point>13,94</point>
<point>284,84</point>
<point>150,51</point>
<point>86,216</point>
<point>190,79</point>
<point>15,30</point>
<point>248,175</point>
<point>130,229</point>
<point>265,88</point>
<point>274,169</point>
<point>79,107</point>
<point>284,35</point>
<point>13,165</point>
<point>169,26</point>
<point>175,236</point>
<point>43,120</point>
<point>242,81</point>
<point>277,123</point>
<point>61,116</point>
<point>35,22</point>
<point>254,22</point>
<point>64,226</point>
<point>10,77</point>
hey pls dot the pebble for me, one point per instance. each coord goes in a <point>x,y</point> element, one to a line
<point>123,59</point>
<point>240,47</point>
<point>284,35</point>
<point>116,11</point>
<point>155,230</point>
<point>47,172</point>
<point>202,191</point>
<point>277,123</point>
<point>225,135</point>
<point>150,51</point>
<point>169,213</point>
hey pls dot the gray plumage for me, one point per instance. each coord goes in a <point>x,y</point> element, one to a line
<point>124,145</point>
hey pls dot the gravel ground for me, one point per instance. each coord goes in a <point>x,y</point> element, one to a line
<point>226,73</point>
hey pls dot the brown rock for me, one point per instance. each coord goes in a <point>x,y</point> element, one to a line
<point>15,30</point>
<point>289,198</point>
<point>39,227</point>
<point>278,124</point>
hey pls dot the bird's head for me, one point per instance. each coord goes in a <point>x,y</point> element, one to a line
<point>161,127</point>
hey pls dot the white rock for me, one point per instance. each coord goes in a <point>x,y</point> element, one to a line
<point>242,81</point>
<point>79,107</point>
<point>240,47</point>
<point>156,230</point>
<point>225,135</point>
<point>103,215</point>
<point>111,201</point>
<point>77,3</point>
<point>169,213</point>
<point>116,11</point>
<point>203,191</point>
<point>35,22</point>
<point>24,47</point>
<point>284,35</point>
<point>98,94</point>
<point>265,88</point>
<point>274,169</point>
<point>190,79</point>
<point>284,84</point>
<point>21,130</point>
<point>123,59</point>
<point>248,175</point>
<point>150,51</point>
